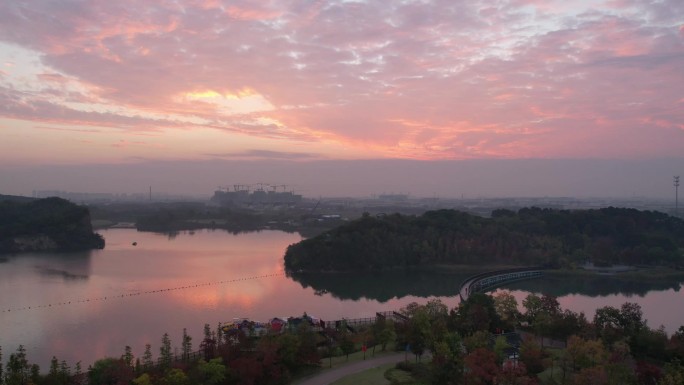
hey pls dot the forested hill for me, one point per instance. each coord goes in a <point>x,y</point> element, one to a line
<point>45,224</point>
<point>531,236</point>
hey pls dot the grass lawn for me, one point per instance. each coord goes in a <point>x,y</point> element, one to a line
<point>373,376</point>
<point>338,361</point>
<point>554,372</point>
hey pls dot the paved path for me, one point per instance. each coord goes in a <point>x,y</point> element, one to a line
<point>333,375</point>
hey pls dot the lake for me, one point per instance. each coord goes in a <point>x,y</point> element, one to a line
<point>89,305</point>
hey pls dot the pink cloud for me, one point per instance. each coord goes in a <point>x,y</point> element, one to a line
<point>252,11</point>
<point>481,81</point>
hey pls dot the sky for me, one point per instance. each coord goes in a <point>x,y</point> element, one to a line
<point>110,85</point>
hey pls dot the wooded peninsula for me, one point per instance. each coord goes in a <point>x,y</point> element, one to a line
<point>530,236</point>
<point>51,224</point>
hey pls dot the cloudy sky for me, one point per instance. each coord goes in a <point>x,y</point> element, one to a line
<point>128,81</point>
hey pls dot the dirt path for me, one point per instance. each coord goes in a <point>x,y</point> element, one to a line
<point>333,375</point>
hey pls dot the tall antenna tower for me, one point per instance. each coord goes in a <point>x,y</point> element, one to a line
<point>676,186</point>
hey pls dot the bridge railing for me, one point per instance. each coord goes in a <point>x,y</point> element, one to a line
<point>474,283</point>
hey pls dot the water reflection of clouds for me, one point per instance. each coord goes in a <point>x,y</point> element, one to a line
<point>87,331</point>
<point>656,305</point>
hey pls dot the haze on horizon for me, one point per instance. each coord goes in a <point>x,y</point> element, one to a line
<point>339,98</point>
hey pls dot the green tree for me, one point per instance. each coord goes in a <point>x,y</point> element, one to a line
<point>287,350</point>
<point>307,351</point>
<point>212,372</point>
<point>143,379</point>
<point>631,318</point>
<point>533,306</point>
<point>165,354</point>
<point>176,376</point>
<point>78,374</point>
<point>387,335</point>
<point>347,345</point>
<point>477,313</point>
<point>128,356</point>
<point>478,340</point>
<point>219,335</point>
<point>207,332</point>
<point>673,373</point>
<point>506,307</point>
<point>447,359</point>
<point>419,334</point>
<point>64,372</point>
<point>53,373</point>
<point>110,371</point>
<point>186,345</point>
<point>608,323</point>
<point>147,363</point>
<point>34,376</point>
<point>500,347</point>
<point>18,371</point>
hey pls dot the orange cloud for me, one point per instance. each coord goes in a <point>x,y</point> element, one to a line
<point>362,79</point>
<point>251,14</point>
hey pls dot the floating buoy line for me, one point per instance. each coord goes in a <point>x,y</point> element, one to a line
<point>159,291</point>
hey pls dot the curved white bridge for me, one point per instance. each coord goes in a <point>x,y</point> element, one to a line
<point>490,279</point>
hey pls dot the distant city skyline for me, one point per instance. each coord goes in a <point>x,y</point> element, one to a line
<point>362,178</point>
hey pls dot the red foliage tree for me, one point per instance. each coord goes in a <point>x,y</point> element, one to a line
<point>481,367</point>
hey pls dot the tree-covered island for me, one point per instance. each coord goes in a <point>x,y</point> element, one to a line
<point>531,236</point>
<point>51,224</point>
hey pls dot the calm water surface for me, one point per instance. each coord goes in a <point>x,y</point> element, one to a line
<point>156,287</point>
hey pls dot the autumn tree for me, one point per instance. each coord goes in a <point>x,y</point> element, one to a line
<point>585,353</point>
<point>514,373</point>
<point>506,308</point>
<point>593,375</point>
<point>533,355</point>
<point>481,367</point>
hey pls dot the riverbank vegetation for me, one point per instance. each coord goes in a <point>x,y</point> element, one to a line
<point>473,343</point>
<point>51,224</point>
<point>530,236</point>
<point>172,217</point>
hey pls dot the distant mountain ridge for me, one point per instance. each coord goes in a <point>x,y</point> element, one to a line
<point>15,198</point>
<point>51,224</point>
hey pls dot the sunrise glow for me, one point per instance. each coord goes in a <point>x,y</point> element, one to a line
<point>118,81</point>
